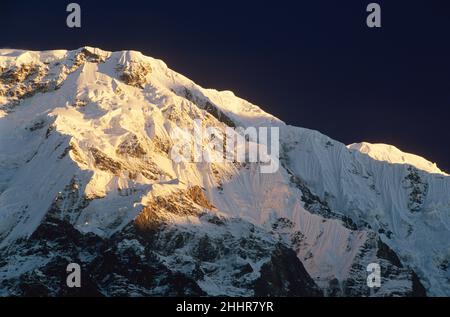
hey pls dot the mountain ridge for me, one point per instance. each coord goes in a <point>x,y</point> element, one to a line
<point>93,130</point>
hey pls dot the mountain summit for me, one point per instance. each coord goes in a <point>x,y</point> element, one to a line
<point>86,177</point>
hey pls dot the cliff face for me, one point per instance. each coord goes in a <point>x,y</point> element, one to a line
<point>86,176</point>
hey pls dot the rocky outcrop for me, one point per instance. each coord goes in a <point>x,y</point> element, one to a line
<point>105,163</point>
<point>158,259</point>
<point>206,104</point>
<point>135,74</point>
<point>417,189</point>
<point>198,196</point>
<point>23,81</point>
<point>284,275</point>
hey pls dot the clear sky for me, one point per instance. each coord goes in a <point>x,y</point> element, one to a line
<point>313,64</point>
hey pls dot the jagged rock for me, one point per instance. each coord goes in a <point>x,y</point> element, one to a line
<point>284,275</point>
<point>384,252</point>
<point>104,163</point>
<point>198,196</point>
<point>207,105</point>
<point>131,147</point>
<point>135,74</point>
<point>418,290</point>
<point>418,189</point>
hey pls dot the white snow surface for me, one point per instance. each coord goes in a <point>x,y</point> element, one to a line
<point>391,154</point>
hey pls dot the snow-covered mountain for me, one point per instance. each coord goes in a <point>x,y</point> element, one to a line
<point>86,176</point>
<point>391,154</point>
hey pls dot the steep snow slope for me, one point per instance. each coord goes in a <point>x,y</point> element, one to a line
<point>85,138</point>
<point>389,153</point>
<point>408,207</point>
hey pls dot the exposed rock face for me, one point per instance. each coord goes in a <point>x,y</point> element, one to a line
<point>284,275</point>
<point>104,163</point>
<point>134,74</point>
<point>23,81</point>
<point>131,147</point>
<point>158,260</point>
<point>111,267</point>
<point>206,104</point>
<point>417,286</point>
<point>87,55</point>
<point>198,196</point>
<point>27,79</point>
<point>417,189</point>
<point>394,276</point>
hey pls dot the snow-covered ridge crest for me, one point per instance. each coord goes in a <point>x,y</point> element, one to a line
<point>391,154</point>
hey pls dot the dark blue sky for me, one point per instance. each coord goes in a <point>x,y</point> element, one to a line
<point>313,64</point>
